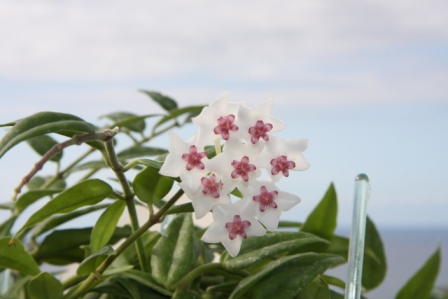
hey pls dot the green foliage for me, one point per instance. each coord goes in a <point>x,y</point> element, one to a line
<point>422,282</point>
<point>113,260</point>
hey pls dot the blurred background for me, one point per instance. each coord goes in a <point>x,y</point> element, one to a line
<point>366,82</point>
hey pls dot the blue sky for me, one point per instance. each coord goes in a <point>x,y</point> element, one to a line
<point>364,81</point>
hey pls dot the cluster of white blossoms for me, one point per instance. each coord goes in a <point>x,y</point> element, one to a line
<point>248,148</point>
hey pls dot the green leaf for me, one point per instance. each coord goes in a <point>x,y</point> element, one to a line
<point>44,286</point>
<point>88,192</point>
<point>130,120</point>
<point>42,144</point>
<point>165,102</point>
<point>336,295</point>
<point>89,165</point>
<point>15,257</point>
<point>286,277</point>
<point>255,249</point>
<point>105,226</point>
<point>339,245</point>
<point>374,265</point>
<point>322,220</point>
<point>175,113</point>
<point>5,227</point>
<point>175,253</point>
<point>90,264</point>
<point>30,197</point>
<point>334,281</point>
<point>183,208</point>
<point>140,151</point>
<point>43,123</point>
<point>62,247</point>
<point>147,280</point>
<point>55,221</point>
<point>150,186</point>
<point>149,239</point>
<point>421,283</point>
<point>127,120</point>
<point>318,289</point>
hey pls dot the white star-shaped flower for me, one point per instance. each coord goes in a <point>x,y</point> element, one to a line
<point>233,223</point>
<point>280,156</point>
<point>237,163</point>
<point>184,158</point>
<point>268,201</point>
<point>205,191</point>
<point>255,123</point>
<point>218,120</point>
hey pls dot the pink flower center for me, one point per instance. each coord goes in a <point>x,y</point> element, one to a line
<point>266,199</point>
<point>211,186</point>
<point>194,158</point>
<point>242,168</point>
<point>225,124</point>
<point>281,164</point>
<point>237,227</point>
<point>259,131</point>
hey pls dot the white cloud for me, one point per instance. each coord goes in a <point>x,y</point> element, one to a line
<point>97,40</point>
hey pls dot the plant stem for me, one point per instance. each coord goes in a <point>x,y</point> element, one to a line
<point>90,280</point>
<point>75,140</point>
<point>129,196</point>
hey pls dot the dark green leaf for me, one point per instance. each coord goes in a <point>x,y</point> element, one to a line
<point>322,220</point>
<point>175,254</point>
<point>35,183</point>
<point>140,151</point>
<point>32,196</point>
<point>286,277</point>
<point>90,264</point>
<point>374,266</point>
<point>88,192</point>
<point>339,245</point>
<point>165,102</point>
<point>127,120</point>
<point>57,220</point>
<point>150,186</point>
<point>183,208</point>
<point>7,205</point>
<point>44,286</point>
<point>5,227</point>
<point>335,295</point>
<point>318,289</point>
<point>334,281</point>
<point>43,123</point>
<point>147,280</point>
<point>129,285</point>
<point>15,257</point>
<point>149,239</point>
<point>289,224</point>
<point>42,144</point>
<point>62,247</point>
<point>255,249</point>
<point>105,226</point>
<point>421,283</point>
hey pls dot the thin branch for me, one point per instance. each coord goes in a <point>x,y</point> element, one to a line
<point>75,140</point>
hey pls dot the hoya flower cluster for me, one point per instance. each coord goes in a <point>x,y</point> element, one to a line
<point>248,148</point>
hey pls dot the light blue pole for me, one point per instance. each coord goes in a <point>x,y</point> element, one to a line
<point>357,237</point>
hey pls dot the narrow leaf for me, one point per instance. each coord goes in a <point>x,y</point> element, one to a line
<point>318,289</point>
<point>322,220</point>
<point>255,249</point>
<point>127,120</point>
<point>15,257</point>
<point>150,186</point>
<point>88,192</point>
<point>175,254</point>
<point>176,113</point>
<point>44,286</point>
<point>286,277</point>
<point>147,280</point>
<point>55,221</point>
<point>105,226</point>
<point>374,266</point>
<point>183,208</point>
<point>90,264</point>
<point>42,144</point>
<point>165,102</point>
<point>43,123</point>
<point>422,282</point>
<point>30,197</point>
<point>140,151</point>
